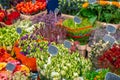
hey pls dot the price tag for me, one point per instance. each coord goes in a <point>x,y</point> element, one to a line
<point>98,70</point>
<point>67,44</point>
<point>34,76</point>
<point>77,20</point>
<point>110,29</point>
<point>110,39</point>
<point>52,50</point>
<point>33,1</point>
<point>68,0</point>
<point>56,10</point>
<point>92,1</point>
<point>10,67</point>
<point>19,30</point>
<point>112,76</point>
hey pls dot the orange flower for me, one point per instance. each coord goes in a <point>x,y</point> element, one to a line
<point>29,62</point>
<point>85,5</point>
<point>104,2</point>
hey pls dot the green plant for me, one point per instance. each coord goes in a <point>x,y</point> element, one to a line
<point>98,49</point>
<point>8,35</point>
<point>96,75</point>
<point>106,13</point>
<point>70,7</point>
<point>69,23</point>
<point>62,66</point>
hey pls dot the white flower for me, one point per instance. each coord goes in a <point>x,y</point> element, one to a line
<point>63,79</point>
<point>45,65</point>
<point>54,74</point>
<point>68,64</point>
<point>49,60</point>
<point>75,74</point>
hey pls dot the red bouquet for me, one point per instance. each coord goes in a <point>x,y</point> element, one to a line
<point>8,18</point>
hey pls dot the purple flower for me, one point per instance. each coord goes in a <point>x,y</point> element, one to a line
<point>22,53</point>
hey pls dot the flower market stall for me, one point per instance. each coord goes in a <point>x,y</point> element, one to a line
<point>59,40</point>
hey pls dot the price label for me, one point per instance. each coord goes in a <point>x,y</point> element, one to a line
<point>110,39</point>
<point>10,67</point>
<point>19,30</point>
<point>92,1</point>
<point>52,50</point>
<point>67,44</point>
<point>77,20</point>
<point>56,10</point>
<point>112,76</point>
<point>33,1</point>
<point>110,29</point>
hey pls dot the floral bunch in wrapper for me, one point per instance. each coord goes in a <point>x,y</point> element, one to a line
<point>98,49</point>
<point>8,36</point>
<point>62,66</point>
<point>111,58</point>
<point>6,58</point>
<point>8,18</point>
<point>96,75</point>
<point>115,3</point>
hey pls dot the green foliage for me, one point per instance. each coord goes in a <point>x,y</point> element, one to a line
<point>107,13</point>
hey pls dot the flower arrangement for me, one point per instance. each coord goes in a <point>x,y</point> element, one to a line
<point>30,8</point>
<point>101,2</point>
<point>8,19</point>
<point>48,29</point>
<point>111,56</point>
<point>62,66</point>
<point>6,58</point>
<point>96,75</point>
<point>70,6</point>
<point>98,49</point>
<point>103,13</point>
<point>8,36</point>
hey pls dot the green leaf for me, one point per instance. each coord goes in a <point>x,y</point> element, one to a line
<point>92,19</point>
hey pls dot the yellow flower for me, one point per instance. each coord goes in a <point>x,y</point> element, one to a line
<point>2,65</point>
<point>104,2</point>
<point>85,5</point>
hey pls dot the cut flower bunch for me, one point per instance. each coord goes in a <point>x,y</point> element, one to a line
<point>104,13</point>
<point>8,18</point>
<point>112,55</point>
<point>30,8</point>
